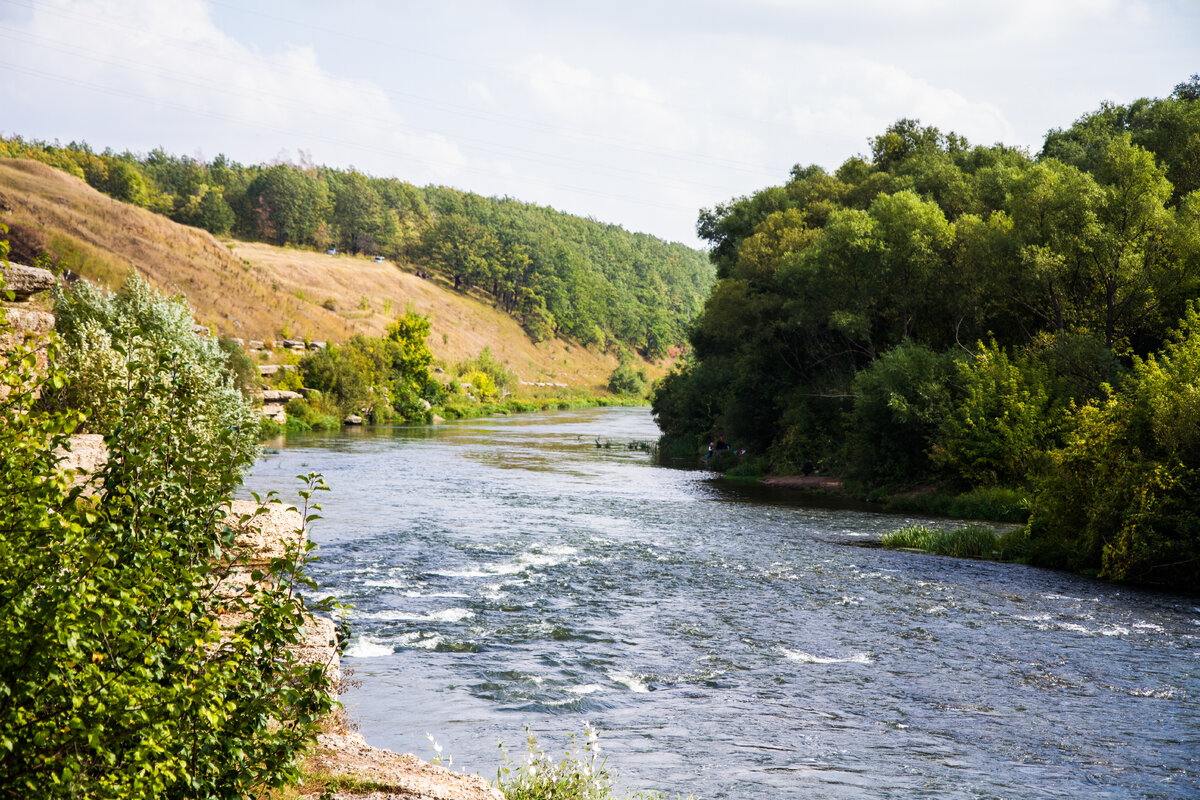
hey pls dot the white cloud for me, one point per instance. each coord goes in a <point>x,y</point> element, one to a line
<point>169,63</point>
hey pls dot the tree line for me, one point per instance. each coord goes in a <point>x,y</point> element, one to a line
<point>975,318</point>
<point>559,275</point>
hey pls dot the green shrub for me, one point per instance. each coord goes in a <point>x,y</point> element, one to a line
<point>501,377</point>
<point>119,679</point>
<point>625,380</point>
<point>901,401</point>
<point>314,413</point>
<point>1000,427</point>
<point>994,503</point>
<point>241,369</point>
<point>113,341</point>
<point>1119,498</point>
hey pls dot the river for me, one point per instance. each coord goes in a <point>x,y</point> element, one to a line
<point>508,573</point>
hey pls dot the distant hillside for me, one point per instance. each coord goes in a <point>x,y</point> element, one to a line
<point>557,274</point>
<point>256,291</point>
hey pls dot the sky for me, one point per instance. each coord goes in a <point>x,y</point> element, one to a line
<point>635,113</point>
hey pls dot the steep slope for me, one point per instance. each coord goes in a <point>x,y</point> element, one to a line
<point>255,291</point>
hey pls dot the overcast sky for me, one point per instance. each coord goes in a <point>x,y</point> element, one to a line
<point>638,113</point>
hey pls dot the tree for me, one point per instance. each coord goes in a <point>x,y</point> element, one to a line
<point>287,205</point>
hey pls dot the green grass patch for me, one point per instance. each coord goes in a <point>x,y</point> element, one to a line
<point>973,541</point>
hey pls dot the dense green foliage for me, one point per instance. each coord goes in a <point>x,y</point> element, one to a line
<point>377,377</point>
<point>956,315</point>
<point>560,275</point>
<point>104,337</point>
<point>626,380</point>
<point>116,678</point>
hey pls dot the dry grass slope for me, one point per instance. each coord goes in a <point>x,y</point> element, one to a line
<point>255,291</point>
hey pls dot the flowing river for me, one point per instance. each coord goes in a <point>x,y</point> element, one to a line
<point>731,642</point>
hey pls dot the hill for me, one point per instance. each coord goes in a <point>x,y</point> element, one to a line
<point>258,291</point>
<point>559,275</point>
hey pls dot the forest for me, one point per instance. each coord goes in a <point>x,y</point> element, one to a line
<point>944,316</point>
<point>560,276</point>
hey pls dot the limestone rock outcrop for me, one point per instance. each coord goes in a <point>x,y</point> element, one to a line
<point>24,282</point>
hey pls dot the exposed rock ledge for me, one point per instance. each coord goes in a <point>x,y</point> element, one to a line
<point>394,776</point>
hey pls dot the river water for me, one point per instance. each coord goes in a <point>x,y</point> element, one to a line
<point>508,573</point>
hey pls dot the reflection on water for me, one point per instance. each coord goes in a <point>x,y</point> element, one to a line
<point>508,573</point>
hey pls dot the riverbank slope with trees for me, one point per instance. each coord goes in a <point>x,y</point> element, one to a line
<point>977,319</point>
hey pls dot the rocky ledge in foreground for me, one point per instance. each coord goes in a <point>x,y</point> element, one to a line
<point>344,757</point>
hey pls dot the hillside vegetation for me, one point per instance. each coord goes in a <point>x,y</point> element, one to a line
<point>559,275</point>
<point>980,319</point>
<point>261,291</point>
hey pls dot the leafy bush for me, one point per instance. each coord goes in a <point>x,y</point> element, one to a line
<point>996,503</point>
<point>501,377</point>
<point>999,428</point>
<point>377,377</point>
<point>113,341</point>
<point>121,676</point>
<point>901,401</point>
<point>241,369</point>
<point>625,380</point>
<point>315,412</point>
<point>480,383</point>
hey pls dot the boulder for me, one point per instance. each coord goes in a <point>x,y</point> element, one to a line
<point>266,535</point>
<point>24,281</point>
<point>425,404</point>
<point>268,369</point>
<point>255,344</point>
<point>24,325</point>
<point>280,396</point>
<point>353,419</point>
<point>291,344</point>
<point>316,345</point>
<point>201,330</point>
<point>274,412</point>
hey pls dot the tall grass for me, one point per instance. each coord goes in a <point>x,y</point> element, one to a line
<point>973,541</point>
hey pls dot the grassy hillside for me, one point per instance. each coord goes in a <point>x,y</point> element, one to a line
<point>256,291</point>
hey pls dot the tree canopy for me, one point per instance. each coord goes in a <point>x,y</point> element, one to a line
<point>938,311</point>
